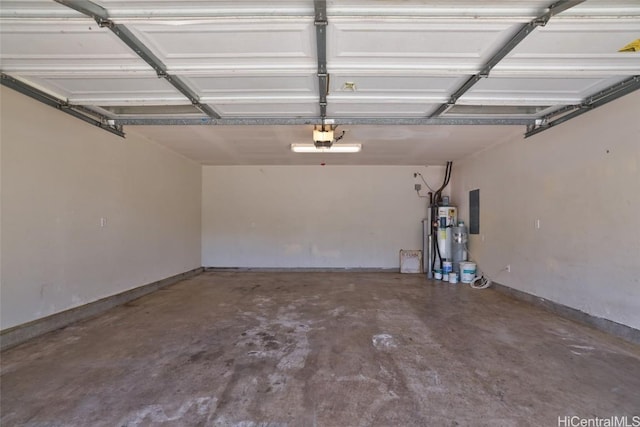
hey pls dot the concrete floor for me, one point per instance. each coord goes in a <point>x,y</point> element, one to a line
<point>256,349</point>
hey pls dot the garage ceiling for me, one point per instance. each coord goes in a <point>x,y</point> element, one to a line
<point>410,80</point>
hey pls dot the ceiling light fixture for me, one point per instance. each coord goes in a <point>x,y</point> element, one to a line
<point>323,142</point>
<point>339,148</point>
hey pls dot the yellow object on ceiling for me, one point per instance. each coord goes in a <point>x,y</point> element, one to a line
<point>634,46</point>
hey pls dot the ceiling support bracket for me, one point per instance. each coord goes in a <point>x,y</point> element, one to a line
<point>594,101</point>
<point>523,32</point>
<point>320,22</point>
<point>101,16</point>
<point>76,111</point>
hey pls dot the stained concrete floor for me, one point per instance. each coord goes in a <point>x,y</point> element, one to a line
<point>253,349</point>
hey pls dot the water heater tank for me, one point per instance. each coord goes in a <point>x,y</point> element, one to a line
<point>447,218</point>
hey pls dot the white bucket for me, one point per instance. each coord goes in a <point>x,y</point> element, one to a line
<point>467,272</point>
<point>447,267</point>
<point>453,277</point>
<point>445,277</point>
<point>437,275</point>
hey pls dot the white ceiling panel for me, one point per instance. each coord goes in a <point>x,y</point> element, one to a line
<point>502,110</point>
<point>203,9</point>
<point>394,44</point>
<point>253,86</point>
<point>109,89</point>
<point>35,9</point>
<point>177,110</point>
<point>473,9</point>
<point>594,9</point>
<point>360,86</point>
<point>575,47</point>
<point>284,108</point>
<point>72,46</point>
<point>232,44</point>
<point>534,91</point>
<point>338,107</point>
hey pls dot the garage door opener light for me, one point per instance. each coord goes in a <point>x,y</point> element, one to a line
<point>323,142</point>
<point>339,148</point>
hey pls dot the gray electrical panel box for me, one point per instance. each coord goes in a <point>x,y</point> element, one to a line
<point>474,211</point>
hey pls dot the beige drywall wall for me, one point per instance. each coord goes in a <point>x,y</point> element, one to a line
<point>1,124</point>
<point>311,216</point>
<point>60,176</point>
<point>581,180</point>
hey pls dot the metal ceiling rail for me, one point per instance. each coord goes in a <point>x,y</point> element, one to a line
<point>101,16</point>
<point>284,121</point>
<point>320,22</point>
<point>523,32</point>
<point>594,101</point>
<point>76,111</point>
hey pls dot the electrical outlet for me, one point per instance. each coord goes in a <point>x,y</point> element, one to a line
<point>508,268</point>
<point>418,187</point>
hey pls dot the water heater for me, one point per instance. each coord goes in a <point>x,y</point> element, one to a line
<point>447,219</point>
